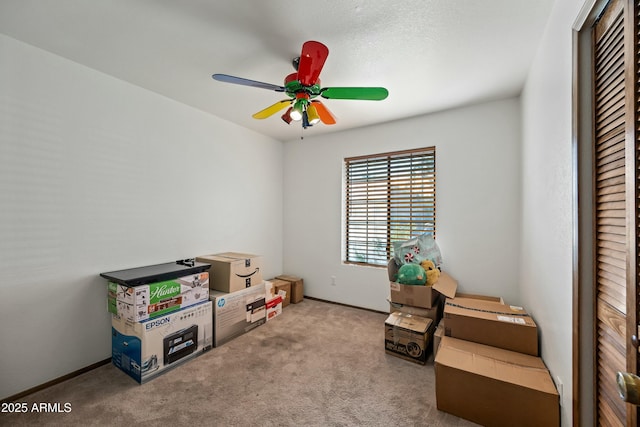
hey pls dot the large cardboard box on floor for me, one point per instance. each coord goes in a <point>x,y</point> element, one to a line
<point>146,349</point>
<point>408,336</point>
<point>420,296</point>
<point>297,287</point>
<point>233,271</point>
<point>491,323</point>
<point>494,387</point>
<point>237,313</point>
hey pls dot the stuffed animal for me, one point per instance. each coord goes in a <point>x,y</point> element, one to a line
<point>433,274</point>
<point>412,274</point>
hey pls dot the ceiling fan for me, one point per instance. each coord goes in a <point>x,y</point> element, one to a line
<point>303,86</point>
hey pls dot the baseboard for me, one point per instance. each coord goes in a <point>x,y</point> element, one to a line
<point>56,381</point>
<point>346,305</point>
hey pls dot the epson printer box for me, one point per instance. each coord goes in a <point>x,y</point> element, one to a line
<point>144,350</point>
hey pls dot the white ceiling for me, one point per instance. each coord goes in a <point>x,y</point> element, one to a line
<point>430,54</point>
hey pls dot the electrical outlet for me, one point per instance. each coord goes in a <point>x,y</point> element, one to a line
<point>560,387</point>
<point>333,280</point>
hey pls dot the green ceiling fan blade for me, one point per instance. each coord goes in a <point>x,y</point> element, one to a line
<point>272,109</point>
<point>364,93</point>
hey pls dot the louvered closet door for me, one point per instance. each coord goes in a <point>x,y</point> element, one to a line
<point>613,246</point>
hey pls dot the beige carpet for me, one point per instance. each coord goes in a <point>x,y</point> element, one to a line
<point>318,364</point>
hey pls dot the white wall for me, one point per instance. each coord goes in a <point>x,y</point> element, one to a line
<point>546,273</point>
<point>477,199</point>
<point>98,175</point>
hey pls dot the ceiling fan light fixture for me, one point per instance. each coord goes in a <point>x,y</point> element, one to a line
<point>312,114</point>
<point>296,111</point>
<point>287,116</point>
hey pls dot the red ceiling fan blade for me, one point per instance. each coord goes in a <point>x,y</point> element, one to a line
<point>325,115</point>
<point>311,62</point>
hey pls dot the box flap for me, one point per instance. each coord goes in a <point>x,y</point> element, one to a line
<point>279,282</point>
<point>392,269</point>
<point>289,278</point>
<point>490,310</point>
<point>213,257</point>
<point>237,255</point>
<point>478,296</point>
<point>492,362</point>
<point>446,285</point>
<point>409,321</point>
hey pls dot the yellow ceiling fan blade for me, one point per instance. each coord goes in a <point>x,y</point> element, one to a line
<point>271,110</point>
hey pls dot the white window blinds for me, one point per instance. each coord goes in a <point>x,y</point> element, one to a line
<point>389,197</point>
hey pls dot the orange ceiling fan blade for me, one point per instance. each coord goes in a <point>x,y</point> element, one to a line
<point>325,115</point>
<point>272,109</point>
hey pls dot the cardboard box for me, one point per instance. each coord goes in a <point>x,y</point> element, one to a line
<point>491,323</point>
<point>437,337</point>
<point>274,307</point>
<point>407,336</point>
<point>144,350</point>
<point>297,287</point>
<point>142,302</point>
<point>233,271</point>
<point>237,313</point>
<point>434,313</point>
<point>283,288</point>
<point>420,296</point>
<point>494,387</point>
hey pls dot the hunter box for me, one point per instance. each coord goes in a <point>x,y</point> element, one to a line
<point>494,387</point>
<point>233,271</point>
<point>408,336</point>
<point>491,323</point>
<point>142,293</point>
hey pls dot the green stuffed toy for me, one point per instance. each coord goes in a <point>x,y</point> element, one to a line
<point>412,274</point>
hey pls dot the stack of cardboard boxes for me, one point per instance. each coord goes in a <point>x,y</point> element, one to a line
<point>488,368</point>
<point>161,317</point>
<point>238,293</point>
<point>415,312</point>
<point>242,299</point>
<point>166,314</point>
<point>487,364</point>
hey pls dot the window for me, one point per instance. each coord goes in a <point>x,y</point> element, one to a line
<point>390,197</point>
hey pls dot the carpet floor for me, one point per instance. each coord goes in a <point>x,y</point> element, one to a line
<point>317,364</point>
